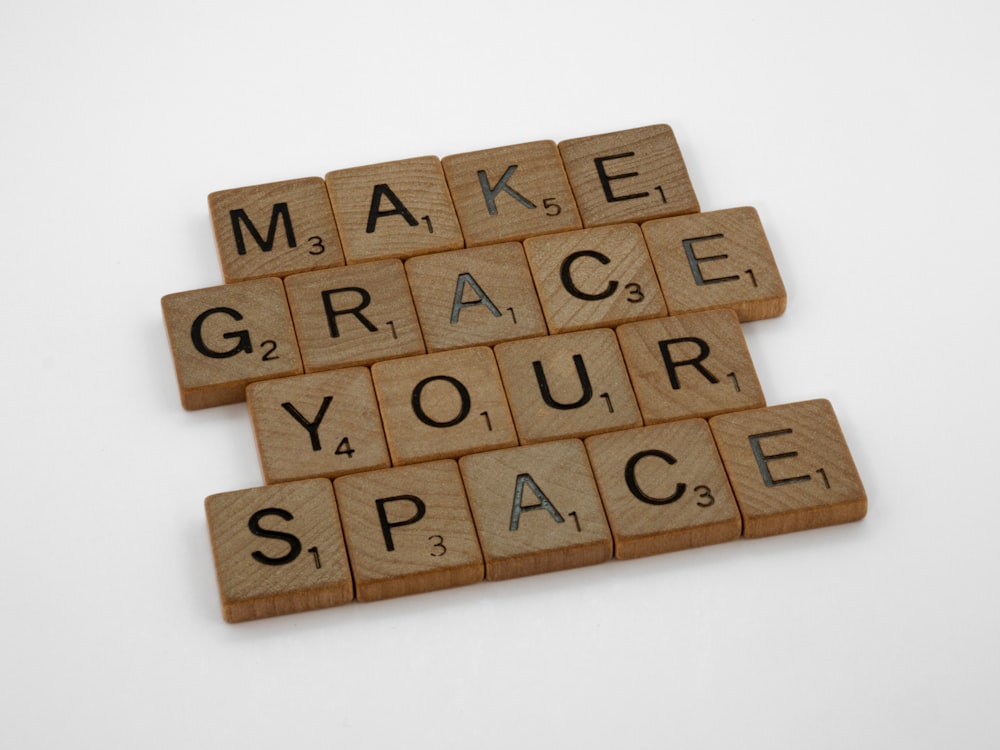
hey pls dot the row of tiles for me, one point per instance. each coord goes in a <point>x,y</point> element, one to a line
<point>520,511</point>
<point>421,205</point>
<point>224,337</point>
<point>453,403</point>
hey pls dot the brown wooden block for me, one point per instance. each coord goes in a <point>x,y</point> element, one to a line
<point>319,425</point>
<point>275,229</point>
<point>354,315</point>
<point>567,385</point>
<point>225,337</point>
<point>694,365</point>
<point>716,259</point>
<point>536,508</point>
<point>394,210</point>
<point>278,550</point>
<point>790,468</point>
<point>664,488</point>
<point>480,296</point>
<point>443,405</point>
<point>594,277</point>
<point>630,175</point>
<point>408,530</point>
<point>511,192</point>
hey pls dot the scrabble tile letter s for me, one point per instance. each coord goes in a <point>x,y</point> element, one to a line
<point>278,550</point>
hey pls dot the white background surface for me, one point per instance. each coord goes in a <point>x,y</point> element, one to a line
<point>864,133</point>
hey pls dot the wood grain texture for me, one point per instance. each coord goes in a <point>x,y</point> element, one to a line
<point>594,278</point>
<point>323,424</point>
<point>479,296</point>
<point>409,530</point>
<point>442,405</point>
<point>567,385</point>
<point>790,468</point>
<point>664,488</point>
<point>510,193</point>
<point>630,175</point>
<point>224,337</point>
<point>715,260</point>
<point>354,315</point>
<point>484,337</point>
<point>275,229</point>
<point>278,550</point>
<point>686,366</point>
<point>394,210</point>
<point>536,508</point>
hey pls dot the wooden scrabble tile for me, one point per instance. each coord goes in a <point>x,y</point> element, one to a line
<point>716,259</point>
<point>664,488</point>
<point>790,468</point>
<point>225,337</point>
<point>408,530</point>
<point>694,365</point>
<point>480,296</point>
<point>278,550</point>
<point>510,193</point>
<point>319,425</point>
<point>594,277</point>
<point>567,385</point>
<point>630,175</point>
<point>536,508</point>
<point>354,315</point>
<point>442,405</point>
<point>275,229</point>
<point>394,210</point>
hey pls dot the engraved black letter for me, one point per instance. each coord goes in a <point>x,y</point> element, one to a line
<point>294,545</point>
<point>567,280</point>
<point>695,362</point>
<point>581,372</point>
<point>331,313</point>
<point>490,193</point>
<point>463,393</point>
<point>763,458</point>
<point>374,214</point>
<point>239,217</point>
<point>243,337</point>
<point>482,299</point>
<point>633,486</point>
<point>695,262</point>
<point>384,519</point>
<point>311,427</point>
<point>606,179</point>
<point>543,501</point>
